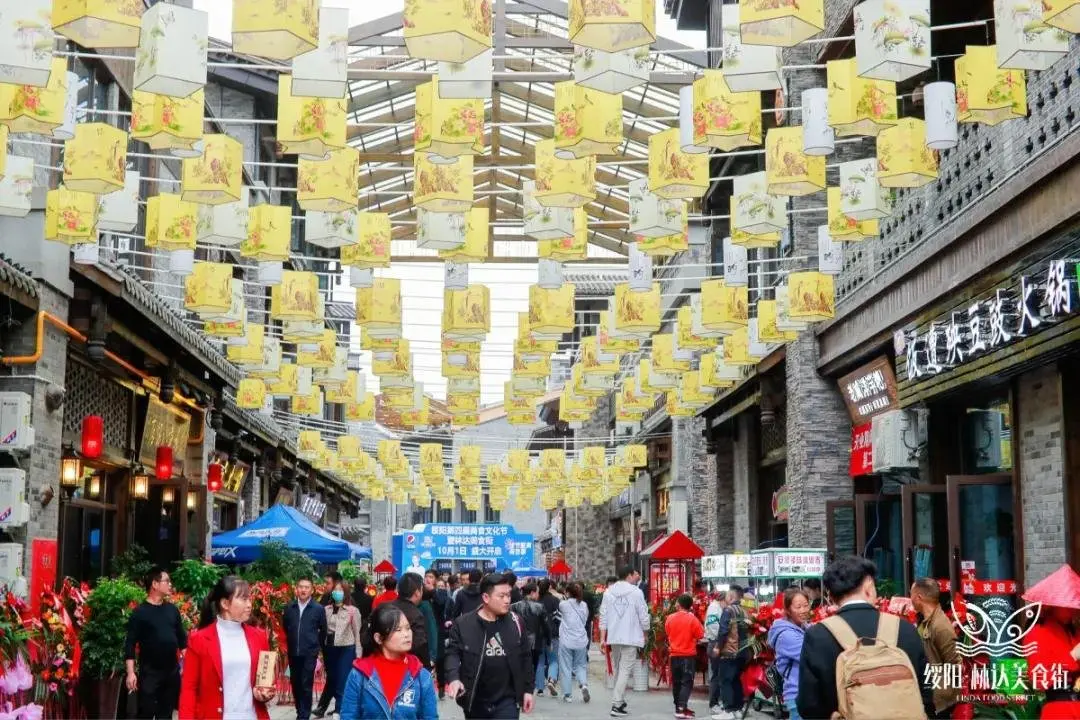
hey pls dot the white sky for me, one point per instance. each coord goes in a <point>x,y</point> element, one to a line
<point>423,283</point>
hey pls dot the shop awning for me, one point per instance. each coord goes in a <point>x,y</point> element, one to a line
<point>287,525</point>
<point>676,546</point>
<point>385,566</point>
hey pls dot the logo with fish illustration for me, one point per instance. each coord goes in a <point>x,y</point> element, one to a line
<point>998,640</point>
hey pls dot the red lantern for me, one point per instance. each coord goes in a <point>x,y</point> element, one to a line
<point>213,477</point>
<point>163,468</point>
<point>93,436</point>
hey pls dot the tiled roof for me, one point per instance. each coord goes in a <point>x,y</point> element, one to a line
<point>18,278</point>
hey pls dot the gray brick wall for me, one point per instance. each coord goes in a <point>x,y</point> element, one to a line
<point>744,481</point>
<point>724,459</point>
<point>689,465</point>
<point>1041,459</point>
<point>589,537</point>
<point>704,504</point>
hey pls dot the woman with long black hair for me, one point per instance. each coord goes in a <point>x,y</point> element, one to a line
<point>389,683</point>
<point>218,679</point>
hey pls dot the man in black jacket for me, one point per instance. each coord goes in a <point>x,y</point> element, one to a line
<point>305,635</point>
<point>156,630</point>
<point>534,618</point>
<point>850,583</point>
<point>468,597</point>
<point>488,659</point>
<point>410,590</point>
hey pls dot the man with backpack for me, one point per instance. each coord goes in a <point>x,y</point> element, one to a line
<point>884,679</point>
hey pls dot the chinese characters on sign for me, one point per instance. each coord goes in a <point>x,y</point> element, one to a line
<point>869,390</point>
<point>989,324</point>
<point>465,542</point>
<point>997,682</point>
<point>760,564</point>
<point>862,450</point>
<point>738,565</point>
<point>798,563</point>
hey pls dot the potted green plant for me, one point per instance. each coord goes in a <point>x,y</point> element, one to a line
<point>103,634</point>
<point>196,578</point>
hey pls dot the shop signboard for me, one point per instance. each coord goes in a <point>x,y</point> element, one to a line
<point>498,543</point>
<point>761,565</point>
<point>738,565</point>
<point>862,450</point>
<point>781,501</point>
<point>869,390</point>
<point>1028,305</point>
<point>714,566</point>
<point>796,563</point>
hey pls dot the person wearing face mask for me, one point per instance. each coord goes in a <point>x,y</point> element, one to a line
<point>218,679</point>
<point>342,645</point>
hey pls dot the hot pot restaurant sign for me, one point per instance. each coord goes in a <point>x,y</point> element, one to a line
<point>1035,302</point>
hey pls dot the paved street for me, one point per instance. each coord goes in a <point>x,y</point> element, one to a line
<point>653,704</point>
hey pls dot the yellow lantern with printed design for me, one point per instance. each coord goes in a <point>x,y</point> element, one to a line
<point>378,308</point>
<point>251,394</point>
<point>675,408</point>
<point>595,362</point>
<point>724,309</point>
<point>571,248</point>
<point>280,31</point>
<point>858,105</point>
<point>40,110</point>
<point>750,241</point>
<point>99,23</point>
<point>637,313</point>
<point>268,235</point>
<point>215,177</point>
<point>309,444</point>
<point>531,369</point>
<point>463,403</point>
<point>477,234</point>
<point>447,30</point>
<point>372,250</point>
<point>842,227</point>
<point>363,411</point>
<point>250,353</point>
<point>469,367</point>
<point>1062,14</point>
<point>447,127</point>
<point>613,25</point>
<point>551,312</point>
<point>903,159</point>
<point>631,400</point>
<point>442,187</point>
<point>349,447</point>
<point>71,216</point>
<point>736,349</point>
<point>812,296</point>
<point>349,391</point>
<point>715,374</point>
<point>667,245</point>
<point>691,393</point>
<point>329,185</point>
<point>296,298</point>
<point>310,405</point>
<point>95,160</point>
<point>767,329</point>
<point>636,456</point>
<point>416,418</point>
<point>395,364</point>
<point>467,313</point>
<point>518,403</point>
<point>587,121</point>
<point>431,457</point>
<point>171,222</point>
<point>561,182</point>
<point>685,332</point>
<point>168,123</point>
<point>789,170</point>
<point>287,382</point>
<point>527,345</point>
<point>986,93</point>
<point>664,358</point>
<point>322,354</point>
<point>308,126</point>
<point>469,456</point>
<point>673,173</point>
<point>724,119</point>
<point>209,289</point>
<point>783,24</point>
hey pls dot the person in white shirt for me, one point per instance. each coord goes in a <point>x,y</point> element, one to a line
<point>624,620</point>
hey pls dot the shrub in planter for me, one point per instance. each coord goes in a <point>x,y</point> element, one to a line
<point>110,604</point>
<point>195,578</point>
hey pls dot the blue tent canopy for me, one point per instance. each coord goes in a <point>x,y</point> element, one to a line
<point>530,572</point>
<point>290,526</point>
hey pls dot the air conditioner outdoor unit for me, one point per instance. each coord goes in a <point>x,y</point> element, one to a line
<point>895,437</point>
<point>11,562</point>
<point>15,430</point>
<point>14,510</point>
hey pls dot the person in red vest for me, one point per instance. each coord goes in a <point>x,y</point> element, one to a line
<point>389,593</point>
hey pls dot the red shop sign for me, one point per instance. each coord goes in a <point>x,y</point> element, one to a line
<point>862,451</point>
<point>43,562</point>
<point>982,587</point>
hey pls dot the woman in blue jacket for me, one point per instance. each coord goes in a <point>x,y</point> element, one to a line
<point>786,639</point>
<point>388,683</point>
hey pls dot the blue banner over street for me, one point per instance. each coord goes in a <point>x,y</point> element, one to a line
<point>499,544</point>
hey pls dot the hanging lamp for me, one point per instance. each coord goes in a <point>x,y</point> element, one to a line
<point>892,39</point>
<point>215,177</point>
<point>563,183</point>
<point>288,29</point>
<point>612,26</point>
<point>329,185</point>
<point>724,119</point>
<point>788,169</point>
<point>985,95</point>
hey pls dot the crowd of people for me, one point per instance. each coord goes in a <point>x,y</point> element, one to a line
<point>495,647</point>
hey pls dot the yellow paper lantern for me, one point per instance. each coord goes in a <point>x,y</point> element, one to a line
<point>307,126</point>
<point>715,374</point>
<point>593,361</point>
<point>673,173</point>
<point>676,409</point>
<point>574,408</point>
<point>32,109</point>
<point>858,105</point>
<point>396,364</point>
<point>95,160</point>
<point>447,30</point>
<point>467,313</point>
<point>608,342</point>
<point>477,234</point>
<point>984,93</point>
<point>268,237</point>
<point>561,182</point>
<point>767,329</point>
<point>250,353</point>
<point>362,411</point>
<point>812,296</point>
<point>842,227</point>
<point>784,24</point>
<point>214,178</point>
<point>637,313</point>
<point>551,312</point>
<point>612,26</point>
<point>309,444</point>
<point>447,127</point>
<point>279,32</point>
<point>685,332</point>
<point>310,405</point>
<point>378,308</point>
<point>1063,14</point>
<point>651,380</point>
<point>168,123</point>
<point>736,349</point>
<point>902,156</point>
<point>540,368</point>
<point>251,394</point>
<point>415,418</point>
<point>171,222</point>
<point>99,23</point>
<point>747,240</point>
<point>440,187</point>
<point>372,250</point>
<point>71,216</point>
<point>527,345</point>
<point>209,289</point>
<point>568,249</point>
<point>667,245</point>
<point>463,403</point>
<point>587,122</point>
<point>724,309</point>
<point>724,119</point>
<point>468,368</point>
<point>329,185</point>
<point>691,393</point>
<point>322,355</point>
<point>296,298</point>
<point>287,383</point>
<point>789,170</point>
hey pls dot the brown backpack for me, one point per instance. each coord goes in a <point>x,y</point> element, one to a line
<point>878,681</point>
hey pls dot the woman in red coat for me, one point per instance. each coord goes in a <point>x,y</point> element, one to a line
<point>218,681</point>
<point>1054,665</point>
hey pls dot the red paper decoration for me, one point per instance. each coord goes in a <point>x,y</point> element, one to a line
<point>93,436</point>
<point>163,468</point>
<point>213,477</point>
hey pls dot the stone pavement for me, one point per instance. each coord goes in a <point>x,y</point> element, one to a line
<point>652,705</point>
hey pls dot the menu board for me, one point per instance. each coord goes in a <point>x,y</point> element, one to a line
<point>738,565</point>
<point>761,564</point>
<point>796,563</point>
<point>714,566</point>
